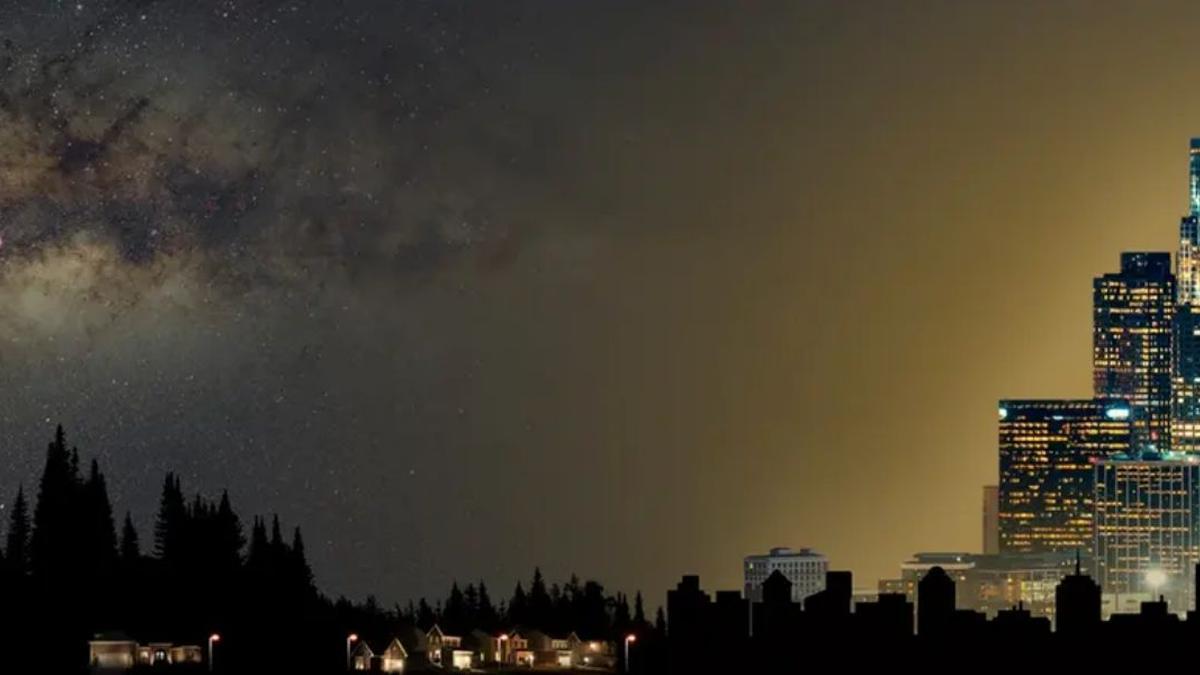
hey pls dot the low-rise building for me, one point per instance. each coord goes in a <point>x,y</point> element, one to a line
<point>805,568</point>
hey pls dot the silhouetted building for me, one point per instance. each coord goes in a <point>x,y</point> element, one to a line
<point>805,568</point>
<point>834,601</point>
<point>1147,525</point>
<point>1133,322</point>
<point>889,617</point>
<point>1016,624</point>
<point>687,609</point>
<point>1077,604</point>
<point>777,617</point>
<point>935,603</point>
<point>991,519</point>
<point>1045,451</point>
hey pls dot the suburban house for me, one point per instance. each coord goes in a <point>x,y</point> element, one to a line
<point>391,660</point>
<point>448,651</point>
<point>416,645</point>
<point>116,651</point>
<point>552,651</point>
<point>361,657</point>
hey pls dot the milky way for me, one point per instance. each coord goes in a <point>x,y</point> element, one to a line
<point>225,227</point>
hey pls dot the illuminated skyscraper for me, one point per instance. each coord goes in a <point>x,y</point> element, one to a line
<point>1133,322</point>
<point>1185,380</point>
<point>1147,524</point>
<point>1185,375</point>
<point>1188,258</point>
<point>1046,475</point>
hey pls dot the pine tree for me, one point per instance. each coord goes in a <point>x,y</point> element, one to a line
<point>454,612</point>
<point>540,609</point>
<point>660,623</point>
<point>55,529</point>
<point>130,551</point>
<point>16,543</point>
<point>621,619</point>
<point>170,541</point>
<point>486,616</point>
<point>639,612</point>
<point>101,542</point>
<point>425,615</point>
<point>302,575</point>
<point>229,536</point>
<point>518,607</point>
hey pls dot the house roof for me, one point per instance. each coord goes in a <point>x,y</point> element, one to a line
<point>394,646</point>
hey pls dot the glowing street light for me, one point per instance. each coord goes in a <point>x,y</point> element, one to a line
<point>629,639</point>
<point>350,639</point>
<point>1156,579</point>
<point>500,651</point>
<point>212,639</point>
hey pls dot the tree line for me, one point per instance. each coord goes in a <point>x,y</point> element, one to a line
<point>582,607</point>
<point>67,573</point>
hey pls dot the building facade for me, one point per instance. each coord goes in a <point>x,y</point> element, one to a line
<point>1044,501</point>
<point>991,519</point>
<point>1147,525</point>
<point>989,583</point>
<point>805,568</point>
<point>1185,380</point>
<point>1133,323</point>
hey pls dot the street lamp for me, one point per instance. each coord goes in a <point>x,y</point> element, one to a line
<point>350,639</point>
<point>629,639</point>
<point>211,639</point>
<point>502,645</point>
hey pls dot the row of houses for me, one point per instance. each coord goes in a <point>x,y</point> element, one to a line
<point>116,651</point>
<point>414,649</point>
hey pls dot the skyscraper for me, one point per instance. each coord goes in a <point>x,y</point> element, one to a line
<point>1147,524</point>
<point>1185,374</point>
<point>1185,380</point>
<point>1046,453</point>
<point>1133,322</point>
<point>1188,258</point>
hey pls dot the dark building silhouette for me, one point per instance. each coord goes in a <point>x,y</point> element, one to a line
<point>889,618</point>
<point>1077,604</point>
<point>935,603</point>
<point>834,601</point>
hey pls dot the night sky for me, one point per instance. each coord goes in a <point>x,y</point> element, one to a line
<point>621,288</point>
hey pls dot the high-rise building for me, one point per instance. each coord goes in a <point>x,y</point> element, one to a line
<point>1187,261</point>
<point>1147,524</point>
<point>1185,380</point>
<point>1185,373</point>
<point>1133,322</point>
<point>1046,453</point>
<point>805,568</point>
<point>991,519</point>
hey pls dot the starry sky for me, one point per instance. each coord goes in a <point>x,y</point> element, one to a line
<point>622,288</point>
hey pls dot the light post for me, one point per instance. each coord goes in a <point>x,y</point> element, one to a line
<point>502,644</point>
<point>629,639</point>
<point>350,639</point>
<point>212,639</point>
